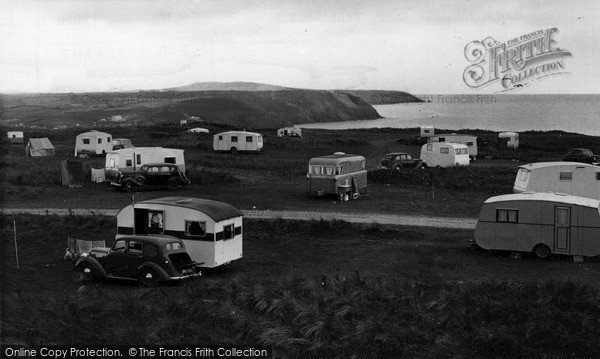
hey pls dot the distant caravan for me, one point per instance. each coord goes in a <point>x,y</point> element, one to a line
<point>578,179</point>
<point>445,154</point>
<point>468,140</point>
<point>238,141</point>
<point>337,174</point>
<point>540,223</point>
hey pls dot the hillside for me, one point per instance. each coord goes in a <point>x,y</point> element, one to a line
<point>227,86</point>
<point>384,97</point>
<point>238,108</point>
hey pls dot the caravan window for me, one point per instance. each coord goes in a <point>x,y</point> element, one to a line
<point>598,176</point>
<point>170,160</point>
<point>228,231</point>
<point>457,151</point>
<point>339,170</point>
<point>111,163</point>
<point>507,215</point>
<point>195,228</point>
<point>138,159</point>
<point>85,141</point>
<point>442,139</point>
<point>444,150</point>
<point>469,143</point>
<point>429,147</point>
<point>465,151</point>
<point>248,138</point>
<point>259,139</point>
<point>108,139</point>
<point>524,174</point>
<point>220,138</point>
<point>99,140</point>
<point>328,170</point>
<point>128,163</point>
<point>566,176</point>
<point>155,222</point>
<point>233,138</point>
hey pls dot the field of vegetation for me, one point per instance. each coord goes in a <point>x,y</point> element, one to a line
<point>311,289</point>
<point>276,178</point>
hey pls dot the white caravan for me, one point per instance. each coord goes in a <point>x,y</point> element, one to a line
<point>238,141</point>
<point>578,179</point>
<point>210,230</point>
<point>445,154</point>
<point>93,142</point>
<point>468,140</point>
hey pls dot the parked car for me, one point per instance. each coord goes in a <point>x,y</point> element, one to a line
<point>152,175</point>
<point>581,155</point>
<point>399,160</point>
<point>147,259</point>
<point>119,143</point>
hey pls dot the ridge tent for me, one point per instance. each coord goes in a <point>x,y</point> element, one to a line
<point>38,147</point>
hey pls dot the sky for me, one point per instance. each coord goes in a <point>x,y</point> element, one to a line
<point>414,46</point>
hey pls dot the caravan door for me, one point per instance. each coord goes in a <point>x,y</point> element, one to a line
<point>562,229</point>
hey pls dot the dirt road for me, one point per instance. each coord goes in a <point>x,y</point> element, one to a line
<point>404,220</point>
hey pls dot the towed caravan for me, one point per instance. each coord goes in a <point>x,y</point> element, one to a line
<point>131,159</point>
<point>337,174</point>
<point>210,230</point>
<point>445,154</point>
<point>468,140</point>
<point>93,142</point>
<point>238,141</point>
<point>540,223</point>
<point>579,179</point>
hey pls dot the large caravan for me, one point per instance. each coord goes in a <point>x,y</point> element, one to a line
<point>339,173</point>
<point>445,154</point>
<point>211,230</point>
<point>238,141</point>
<point>540,223</point>
<point>579,179</point>
<point>468,140</point>
<point>131,159</point>
<point>93,143</point>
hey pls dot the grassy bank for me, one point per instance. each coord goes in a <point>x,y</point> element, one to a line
<point>311,289</point>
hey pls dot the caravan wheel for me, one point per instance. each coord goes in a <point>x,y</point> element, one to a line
<point>542,251</point>
<point>234,150</point>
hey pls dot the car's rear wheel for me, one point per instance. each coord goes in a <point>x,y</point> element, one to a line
<point>85,273</point>
<point>173,184</point>
<point>542,251</point>
<point>148,278</point>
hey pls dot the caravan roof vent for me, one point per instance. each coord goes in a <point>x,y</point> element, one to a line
<point>181,201</point>
<point>339,153</point>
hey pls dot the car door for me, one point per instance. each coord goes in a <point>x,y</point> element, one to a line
<point>153,176</point>
<point>116,259</point>
<point>134,258</point>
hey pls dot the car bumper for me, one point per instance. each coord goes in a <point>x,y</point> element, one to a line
<point>185,277</point>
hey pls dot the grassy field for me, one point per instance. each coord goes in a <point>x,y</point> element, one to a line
<point>276,178</point>
<point>310,290</point>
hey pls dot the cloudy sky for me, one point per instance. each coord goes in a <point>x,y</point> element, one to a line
<point>415,46</point>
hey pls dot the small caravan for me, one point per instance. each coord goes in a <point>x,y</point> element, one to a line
<point>578,179</point>
<point>468,140</point>
<point>540,223</point>
<point>93,142</point>
<point>427,131</point>
<point>39,147</point>
<point>131,159</point>
<point>210,230</point>
<point>508,140</point>
<point>445,154</point>
<point>289,132</point>
<point>198,130</point>
<point>336,174</point>
<point>238,141</point>
<point>15,136</point>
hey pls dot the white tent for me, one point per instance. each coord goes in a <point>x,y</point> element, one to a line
<point>37,147</point>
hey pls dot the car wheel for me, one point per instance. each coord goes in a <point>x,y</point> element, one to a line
<point>128,186</point>
<point>85,273</point>
<point>542,251</point>
<point>148,278</point>
<point>234,150</point>
<point>398,168</point>
<point>173,184</point>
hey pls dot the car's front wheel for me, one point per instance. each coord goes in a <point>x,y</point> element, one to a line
<point>148,277</point>
<point>128,186</point>
<point>85,273</point>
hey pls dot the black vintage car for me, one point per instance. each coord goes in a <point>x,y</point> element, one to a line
<point>581,155</point>
<point>399,160</point>
<point>152,175</point>
<point>148,259</point>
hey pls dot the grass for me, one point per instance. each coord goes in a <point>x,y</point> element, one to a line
<point>309,289</point>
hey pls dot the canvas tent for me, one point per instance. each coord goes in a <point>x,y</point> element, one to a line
<point>37,147</point>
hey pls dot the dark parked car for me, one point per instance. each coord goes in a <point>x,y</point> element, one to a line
<point>581,155</point>
<point>148,259</point>
<point>399,160</point>
<point>152,175</point>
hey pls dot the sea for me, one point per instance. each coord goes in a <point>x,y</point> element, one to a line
<point>570,113</point>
